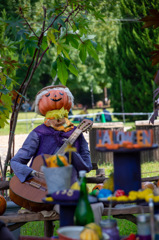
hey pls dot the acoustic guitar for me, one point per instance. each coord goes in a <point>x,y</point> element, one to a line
<point>30,193</point>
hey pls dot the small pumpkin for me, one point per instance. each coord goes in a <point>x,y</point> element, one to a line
<point>3,205</point>
<point>53,98</point>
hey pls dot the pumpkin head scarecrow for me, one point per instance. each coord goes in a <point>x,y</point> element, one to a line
<point>54,102</point>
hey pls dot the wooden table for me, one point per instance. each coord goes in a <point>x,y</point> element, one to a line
<point>126,212</point>
<point>19,220</point>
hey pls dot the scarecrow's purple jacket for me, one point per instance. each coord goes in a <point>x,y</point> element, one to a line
<point>46,140</point>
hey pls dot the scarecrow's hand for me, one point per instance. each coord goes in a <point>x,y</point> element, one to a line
<point>33,173</point>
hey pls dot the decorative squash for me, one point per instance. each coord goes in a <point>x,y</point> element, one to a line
<point>3,205</point>
<point>96,228</point>
<point>89,234</point>
<point>53,100</point>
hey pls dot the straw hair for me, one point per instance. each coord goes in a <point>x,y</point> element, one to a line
<point>45,90</point>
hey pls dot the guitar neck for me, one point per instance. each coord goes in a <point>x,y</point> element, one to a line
<point>70,141</point>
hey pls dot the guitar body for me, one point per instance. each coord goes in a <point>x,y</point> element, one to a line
<point>30,193</point>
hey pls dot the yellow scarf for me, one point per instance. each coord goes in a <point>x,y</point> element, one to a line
<point>58,119</point>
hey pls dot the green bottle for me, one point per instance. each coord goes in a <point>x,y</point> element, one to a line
<point>83,212</point>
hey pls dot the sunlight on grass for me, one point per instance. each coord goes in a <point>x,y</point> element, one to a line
<point>37,228</point>
<point>150,169</point>
<point>25,127</point>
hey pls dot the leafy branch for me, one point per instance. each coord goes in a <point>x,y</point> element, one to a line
<point>22,15</point>
<point>58,37</point>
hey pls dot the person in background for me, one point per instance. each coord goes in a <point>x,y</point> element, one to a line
<point>98,117</point>
<point>70,114</point>
<point>82,112</point>
<point>107,115</point>
<point>26,106</point>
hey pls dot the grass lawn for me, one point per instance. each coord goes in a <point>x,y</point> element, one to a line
<point>37,228</point>
<point>33,120</point>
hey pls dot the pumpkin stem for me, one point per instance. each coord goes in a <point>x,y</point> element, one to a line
<point>59,162</point>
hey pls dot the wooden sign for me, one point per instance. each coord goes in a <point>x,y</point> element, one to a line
<point>118,139</point>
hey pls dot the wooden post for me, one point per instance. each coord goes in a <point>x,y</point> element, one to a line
<point>48,228</point>
<point>151,155</point>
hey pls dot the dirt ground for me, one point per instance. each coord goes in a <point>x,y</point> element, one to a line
<point>19,139</point>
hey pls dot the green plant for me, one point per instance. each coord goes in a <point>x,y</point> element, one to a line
<point>64,25</point>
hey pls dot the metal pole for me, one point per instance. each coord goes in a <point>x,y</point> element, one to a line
<point>122,100</point>
<point>92,97</point>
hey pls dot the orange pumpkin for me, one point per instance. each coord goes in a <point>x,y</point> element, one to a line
<point>53,100</point>
<point>3,205</point>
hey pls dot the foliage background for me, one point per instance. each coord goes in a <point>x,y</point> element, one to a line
<point>123,62</point>
<point>128,64</point>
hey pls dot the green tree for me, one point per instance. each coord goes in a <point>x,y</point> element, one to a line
<point>129,66</point>
<point>93,75</point>
<point>8,64</point>
<point>61,25</point>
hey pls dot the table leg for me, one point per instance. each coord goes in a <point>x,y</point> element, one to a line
<point>67,215</point>
<point>48,228</point>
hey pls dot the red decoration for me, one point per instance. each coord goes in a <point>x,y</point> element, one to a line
<point>119,193</point>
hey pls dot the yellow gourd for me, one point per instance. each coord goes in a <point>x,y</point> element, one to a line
<point>89,234</point>
<point>109,183</point>
<point>96,228</point>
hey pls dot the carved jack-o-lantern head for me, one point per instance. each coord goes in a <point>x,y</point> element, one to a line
<point>53,98</point>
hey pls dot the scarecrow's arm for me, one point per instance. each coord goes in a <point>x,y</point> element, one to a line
<point>25,153</point>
